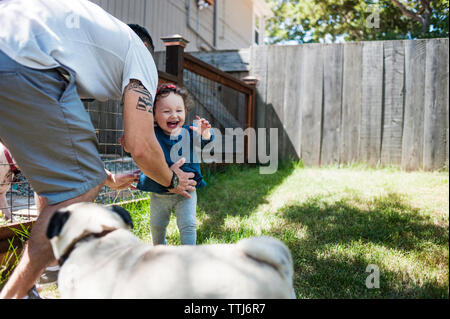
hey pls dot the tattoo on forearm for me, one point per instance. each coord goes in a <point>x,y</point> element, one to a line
<point>145,101</point>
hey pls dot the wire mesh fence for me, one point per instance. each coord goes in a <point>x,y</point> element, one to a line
<point>222,106</point>
<point>15,191</point>
<point>17,198</point>
<point>107,120</point>
<point>17,201</point>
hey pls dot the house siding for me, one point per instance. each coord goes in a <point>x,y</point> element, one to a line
<point>163,18</point>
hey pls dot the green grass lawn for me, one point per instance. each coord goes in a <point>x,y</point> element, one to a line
<point>336,221</point>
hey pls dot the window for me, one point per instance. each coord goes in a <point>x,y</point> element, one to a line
<point>257,25</point>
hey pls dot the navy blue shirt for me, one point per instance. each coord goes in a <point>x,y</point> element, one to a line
<point>184,142</point>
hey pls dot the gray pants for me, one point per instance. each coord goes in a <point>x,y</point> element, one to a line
<point>161,206</point>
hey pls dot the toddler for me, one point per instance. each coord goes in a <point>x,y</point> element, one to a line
<point>171,105</point>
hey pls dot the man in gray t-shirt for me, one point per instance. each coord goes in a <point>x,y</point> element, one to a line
<point>51,54</point>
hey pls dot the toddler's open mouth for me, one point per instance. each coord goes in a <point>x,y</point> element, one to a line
<point>172,124</point>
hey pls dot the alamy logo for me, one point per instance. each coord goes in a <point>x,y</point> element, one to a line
<point>373,20</point>
<point>233,140</point>
<point>373,280</point>
<point>72,21</point>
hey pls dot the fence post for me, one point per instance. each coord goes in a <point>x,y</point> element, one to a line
<point>175,45</point>
<point>250,100</point>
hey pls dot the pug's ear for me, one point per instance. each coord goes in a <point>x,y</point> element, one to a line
<point>57,223</point>
<point>123,213</point>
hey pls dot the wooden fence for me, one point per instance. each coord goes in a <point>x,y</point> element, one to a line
<point>380,103</point>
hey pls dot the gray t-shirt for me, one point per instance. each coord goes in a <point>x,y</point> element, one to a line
<point>103,51</point>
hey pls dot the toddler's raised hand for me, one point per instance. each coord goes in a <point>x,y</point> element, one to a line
<point>203,127</point>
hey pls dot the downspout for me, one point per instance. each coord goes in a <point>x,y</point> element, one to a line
<point>197,27</point>
<point>195,30</point>
<point>216,22</point>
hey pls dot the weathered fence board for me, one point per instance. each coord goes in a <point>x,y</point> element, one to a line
<point>372,103</point>
<point>292,92</point>
<point>259,69</point>
<point>351,102</point>
<point>391,149</point>
<point>311,103</point>
<point>276,59</point>
<point>436,105</point>
<point>332,95</point>
<point>412,142</point>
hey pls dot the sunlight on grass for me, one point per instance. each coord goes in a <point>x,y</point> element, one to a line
<point>401,271</point>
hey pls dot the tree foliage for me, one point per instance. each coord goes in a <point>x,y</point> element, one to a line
<point>356,20</point>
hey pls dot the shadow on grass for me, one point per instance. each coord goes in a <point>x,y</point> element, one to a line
<point>344,237</point>
<point>236,191</point>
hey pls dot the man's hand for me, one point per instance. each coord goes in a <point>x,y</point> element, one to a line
<point>121,181</point>
<point>185,184</point>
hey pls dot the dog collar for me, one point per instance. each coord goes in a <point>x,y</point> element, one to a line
<point>69,250</point>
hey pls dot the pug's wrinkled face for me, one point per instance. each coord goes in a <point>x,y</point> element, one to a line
<point>73,222</point>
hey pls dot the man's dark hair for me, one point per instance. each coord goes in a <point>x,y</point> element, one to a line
<point>143,34</point>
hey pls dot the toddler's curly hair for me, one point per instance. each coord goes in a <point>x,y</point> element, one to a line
<point>165,89</point>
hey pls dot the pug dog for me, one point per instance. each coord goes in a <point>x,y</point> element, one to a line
<point>100,257</point>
